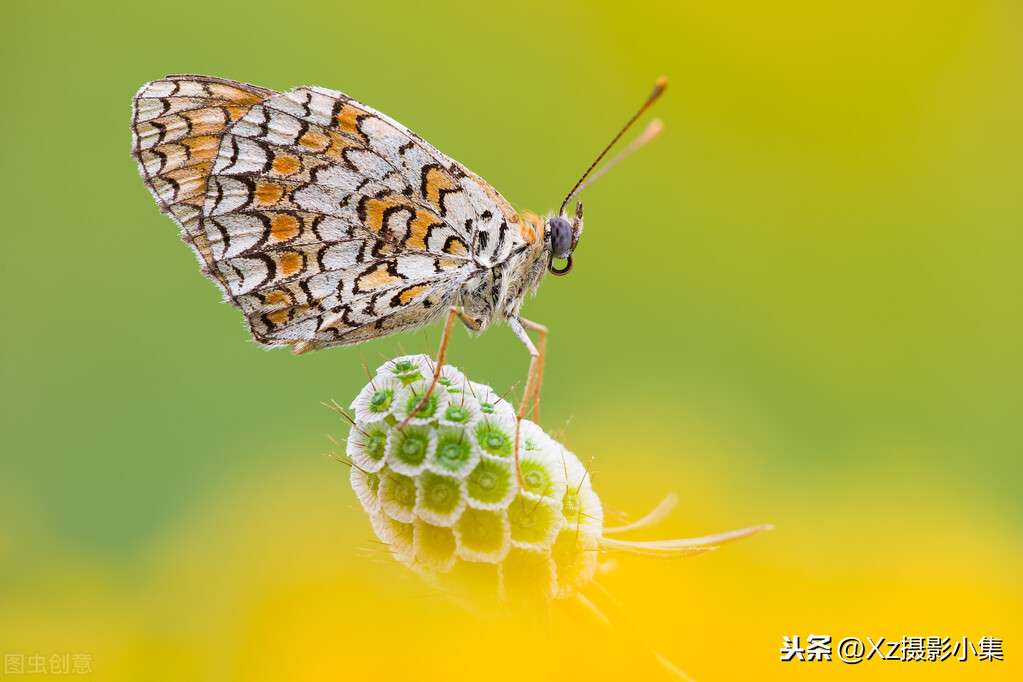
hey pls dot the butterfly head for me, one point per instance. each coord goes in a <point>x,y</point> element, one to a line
<point>562,237</point>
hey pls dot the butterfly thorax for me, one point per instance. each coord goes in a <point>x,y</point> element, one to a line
<point>497,292</point>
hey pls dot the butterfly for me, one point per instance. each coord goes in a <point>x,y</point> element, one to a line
<point>328,223</point>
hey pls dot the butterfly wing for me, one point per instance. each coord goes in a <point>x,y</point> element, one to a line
<point>325,221</point>
<point>177,125</point>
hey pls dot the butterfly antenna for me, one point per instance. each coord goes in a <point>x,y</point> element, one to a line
<point>652,131</point>
<point>658,90</point>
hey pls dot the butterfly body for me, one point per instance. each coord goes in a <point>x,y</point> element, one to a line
<point>325,221</point>
<point>498,291</point>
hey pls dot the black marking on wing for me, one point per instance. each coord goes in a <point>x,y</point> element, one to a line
<point>264,124</point>
<point>224,236</point>
<point>163,158</point>
<point>385,218</point>
<point>269,160</point>
<point>173,183</point>
<point>303,128</point>
<point>233,159</point>
<point>265,219</point>
<point>495,289</point>
<point>502,232</point>
<point>441,192</point>
<point>306,111</point>
<point>314,226</point>
<point>390,267</point>
<point>454,240</point>
<point>271,269</point>
<point>162,127</point>
<point>335,110</point>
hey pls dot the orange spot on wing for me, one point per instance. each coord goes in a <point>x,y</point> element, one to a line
<point>268,194</point>
<point>286,164</point>
<point>456,247</point>
<point>231,93</point>
<point>377,278</point>
<point>338,144</point>
<point>348,121</point>
<point>235,111</point>
<point>374,210</point>
<point>191,180</point>
<point>207,121</point>
<point>279,317</point>
<point>202,148</point>
<point>283,227</point>
<point>419,228</point>
<point>290,263</point>
<point>410,293</point>
<point>437,181</point>
<point>276,297</point>
<point>314,140</point>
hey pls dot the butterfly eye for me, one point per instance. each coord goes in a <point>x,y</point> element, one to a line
<point>561,237</point>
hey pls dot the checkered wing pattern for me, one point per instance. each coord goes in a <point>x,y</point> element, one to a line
<point>323,220</point>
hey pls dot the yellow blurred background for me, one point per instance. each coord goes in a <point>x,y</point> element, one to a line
<point>802,305</point>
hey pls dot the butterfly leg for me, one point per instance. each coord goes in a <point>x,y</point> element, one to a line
<point>442,351</point>
<point>531,394</point>
<point>536,372</point>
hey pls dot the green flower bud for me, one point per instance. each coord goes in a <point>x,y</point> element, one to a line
<point>443,493</point>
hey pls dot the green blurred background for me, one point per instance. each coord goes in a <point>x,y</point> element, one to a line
<point>802,305</point>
